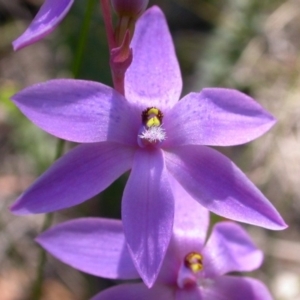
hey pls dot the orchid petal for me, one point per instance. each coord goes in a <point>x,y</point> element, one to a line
<point>235,288</point>
<point>79,175</point>
<point>229,248</point>
<point>216,117</point>
<point>153,78</point>
<point>80,111</point>
<point>191,220</point>
<point>92,245</point>
<point>220,186</point>
<point>136,291</point>
<point>148,212</point>
<point>49,16</point>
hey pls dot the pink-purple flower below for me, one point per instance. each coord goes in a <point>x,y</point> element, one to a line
<point>191,270</point>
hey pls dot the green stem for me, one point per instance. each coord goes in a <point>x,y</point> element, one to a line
<point>82,38</point>
<point>38,283</point>
<point>37,286</point>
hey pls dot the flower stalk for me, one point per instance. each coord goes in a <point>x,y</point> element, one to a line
<point>119,38</point>
<point>120,57</point>
<point>106,11</point>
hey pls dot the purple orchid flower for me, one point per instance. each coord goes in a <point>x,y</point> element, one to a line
<point>46,20</point>
<point>190,270</point>
<point>155,136</point>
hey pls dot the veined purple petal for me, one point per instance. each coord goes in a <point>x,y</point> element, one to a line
<point>153,78</point>
<point>148,212</point>
<point>229,248</point>
<point>136,291</point>
<point>77,176</point>
<point>220,186</point>
<point>80,111</point>
<point>235,288</point>
<point>48,17</point>
<point>93,245</point>
<point>216,117</point>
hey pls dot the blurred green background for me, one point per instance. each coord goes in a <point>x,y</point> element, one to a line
<point>251,45</point>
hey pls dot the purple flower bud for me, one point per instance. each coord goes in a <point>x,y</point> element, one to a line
<point>132,8</point>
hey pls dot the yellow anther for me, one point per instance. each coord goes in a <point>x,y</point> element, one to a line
<point>152,111</point>
<point>152,131</point>
<point>154,121</point>
<point>152,116</point>
<point>194,262</point>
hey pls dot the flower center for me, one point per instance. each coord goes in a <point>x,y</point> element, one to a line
<point>189,273</point>
<point>151,131</point>
<point>194,261</point>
